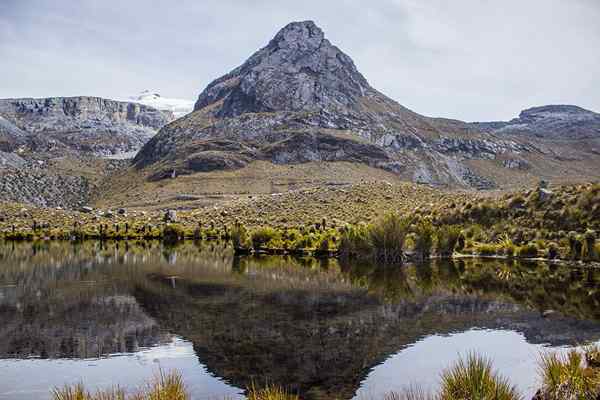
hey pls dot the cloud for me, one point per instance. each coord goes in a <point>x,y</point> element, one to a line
<point>466,59</point>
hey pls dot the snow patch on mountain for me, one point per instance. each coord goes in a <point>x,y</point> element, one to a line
<point>179,107</point>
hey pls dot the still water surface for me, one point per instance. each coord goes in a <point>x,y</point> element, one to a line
<point>113,314</point>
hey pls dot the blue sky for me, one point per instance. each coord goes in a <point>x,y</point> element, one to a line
<point>464,59</point>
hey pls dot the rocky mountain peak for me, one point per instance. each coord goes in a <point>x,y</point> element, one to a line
<point>298,70</point>
<point>298,36</point>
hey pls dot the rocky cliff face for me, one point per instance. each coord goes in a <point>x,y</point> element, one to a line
<point>565,122</point>
<point>300,99</point>
<point>82,124</point>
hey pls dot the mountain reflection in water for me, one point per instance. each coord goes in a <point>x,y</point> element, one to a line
<point>322,328</point>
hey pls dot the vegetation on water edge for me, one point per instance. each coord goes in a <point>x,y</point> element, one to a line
<point>558,224</point>
<point>574,375</point>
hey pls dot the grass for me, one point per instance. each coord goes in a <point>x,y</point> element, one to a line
<point>270,392</point>
<point>569,377</point>
<point>387,236</point>
<point>361,220</point>
<point>165,386</point>
<point>574,375</point>
<point>474,379</point>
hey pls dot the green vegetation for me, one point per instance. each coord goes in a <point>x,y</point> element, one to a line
<point>165,386</point>
<point>474,378</point>
<point>570,376</point>
<point>560,225</point>
<point>574,375</point>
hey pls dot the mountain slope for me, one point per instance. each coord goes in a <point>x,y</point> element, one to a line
<point>565,122</point>
<point>89,125</point>
<point>302,99</point>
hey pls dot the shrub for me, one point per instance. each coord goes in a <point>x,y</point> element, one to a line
<point>527,251</point>
<point>447,237</point>
<point>568,377</point>
<point>387,236</point>
<point>262,236</point>
<point>173,233</point>
<point>552,251</point>
<point>485,249</point>
<point>574,245</point>
<point>460,242</point>
<point>355,241</point>
<point>588,249</point>
<point>474,378</point>
<point>506,245</point>
<point>239,237</point>
<point>423,239</point>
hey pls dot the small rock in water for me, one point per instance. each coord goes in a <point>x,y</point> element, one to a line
<point>122,211</point>
<point>87,209</point>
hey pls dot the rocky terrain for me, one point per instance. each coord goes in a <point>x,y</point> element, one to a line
<point>82,124</point>
<point>564,122</point>
<point>301,99</point>
<point>44,142</point>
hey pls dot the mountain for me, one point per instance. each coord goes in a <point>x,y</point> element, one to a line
<point>566,122</point>
<point>89,125</point>
<point>179,107</point>
<point>301,99</point>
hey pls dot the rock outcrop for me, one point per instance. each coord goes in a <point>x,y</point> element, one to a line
<point>549,122</point>
<point>301,99</point>
<point>88,125</point>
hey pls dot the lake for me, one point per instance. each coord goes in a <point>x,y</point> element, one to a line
<point>117,313</point>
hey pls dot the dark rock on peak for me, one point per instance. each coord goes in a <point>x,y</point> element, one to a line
<point>298,70</point>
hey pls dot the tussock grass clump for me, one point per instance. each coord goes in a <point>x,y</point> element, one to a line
<point>423,239</point>
<point>239,237</point>
<point>486,249</point>
<point>409,393</point>
<point>473,378</point>
<point>387,237</point>
<point>262,236</point>
<point>355,241</point>
<point>447,237</point>
<point>270,392</point>
<point>529,250</point>
<point>173,233</point>
<point>165,386</point>
<point>568,377</point>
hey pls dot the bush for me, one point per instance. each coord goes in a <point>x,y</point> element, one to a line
<point>239,237</point>
<point>262,236</point>
<point>588,250</point>
<point>355,241</point>
<point>527,251</point>
<point>485,249</point>
<point>423,239</point>
<point>173,233</point>
<point>387,236</point>
<point>447,239</point>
